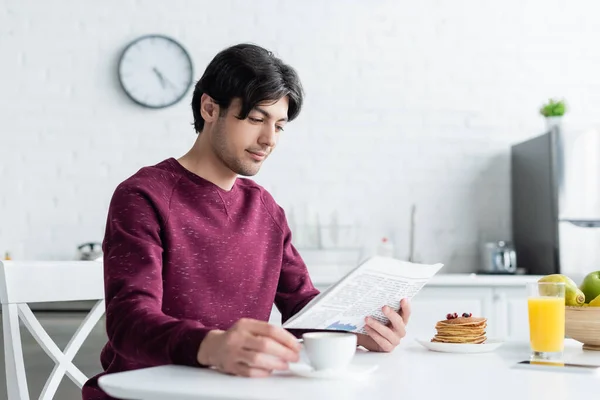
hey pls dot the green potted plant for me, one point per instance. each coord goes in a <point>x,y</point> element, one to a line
<point>553,111</point>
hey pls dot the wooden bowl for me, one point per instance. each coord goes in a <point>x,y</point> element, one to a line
<point>583,325</point>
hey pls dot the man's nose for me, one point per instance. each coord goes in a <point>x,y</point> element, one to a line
<point>268,136</point>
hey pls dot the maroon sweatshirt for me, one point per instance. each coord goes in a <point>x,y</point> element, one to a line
<point>183,256</point>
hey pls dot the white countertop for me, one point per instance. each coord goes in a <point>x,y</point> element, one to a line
<point>481,280</point>
<point>325,275</point>
<point>410,372</point>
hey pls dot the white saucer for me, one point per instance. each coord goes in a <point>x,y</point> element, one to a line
<point>488,346</point>
<point>350,372</point>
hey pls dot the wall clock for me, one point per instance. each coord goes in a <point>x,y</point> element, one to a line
<point>155,71</point>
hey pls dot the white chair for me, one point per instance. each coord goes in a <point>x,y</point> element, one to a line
<point>23,282</point>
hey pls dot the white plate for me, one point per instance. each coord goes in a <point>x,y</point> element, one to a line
<point>350,372</point>
<point>489,345</point>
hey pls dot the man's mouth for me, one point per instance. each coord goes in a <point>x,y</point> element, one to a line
<point>258,155</point>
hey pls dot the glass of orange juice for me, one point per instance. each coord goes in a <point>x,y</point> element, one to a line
<point>546,304</point>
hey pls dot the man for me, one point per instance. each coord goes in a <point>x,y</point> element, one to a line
<point>195,257</point>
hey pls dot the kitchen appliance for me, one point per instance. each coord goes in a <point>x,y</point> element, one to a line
<point>89,251</point>
<point>555,182</point>
<point>498,258</point>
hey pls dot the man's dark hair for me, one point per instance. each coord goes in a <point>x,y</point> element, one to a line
<point>251,73</point>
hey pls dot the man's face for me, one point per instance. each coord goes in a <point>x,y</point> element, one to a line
<point>243,145</point>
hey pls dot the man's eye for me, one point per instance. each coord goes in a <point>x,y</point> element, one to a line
<point>279,128</point>
<point>255,119</point>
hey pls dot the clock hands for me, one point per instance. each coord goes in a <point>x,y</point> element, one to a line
<point>162,79</point>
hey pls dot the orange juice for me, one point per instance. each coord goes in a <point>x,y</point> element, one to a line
<point>547,324</point>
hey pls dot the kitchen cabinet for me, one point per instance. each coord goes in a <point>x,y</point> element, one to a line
<point>504,307</point>
<point>511,312</point>
<point>433,303</point>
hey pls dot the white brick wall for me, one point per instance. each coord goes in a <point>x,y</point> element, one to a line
<point>407,102</point>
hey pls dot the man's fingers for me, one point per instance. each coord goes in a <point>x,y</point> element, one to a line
<point>383,331</point>
<point>262,328</point>
<point>264,344</point>
<point>396,321</point>
<point>382,342</point>
<point>262,361</point>
<point>405,310</point>
<point>243,369</point>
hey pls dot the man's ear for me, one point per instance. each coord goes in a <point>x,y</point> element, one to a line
<point>209,109</point>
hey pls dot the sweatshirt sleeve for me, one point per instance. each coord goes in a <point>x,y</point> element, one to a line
<point>295,288</point>
<point>136,326</point>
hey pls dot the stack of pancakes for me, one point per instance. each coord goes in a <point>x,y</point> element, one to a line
<point>461,330</point>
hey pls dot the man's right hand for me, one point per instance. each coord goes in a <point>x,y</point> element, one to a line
<point>249,348</point>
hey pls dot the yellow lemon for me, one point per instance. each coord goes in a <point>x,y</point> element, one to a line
<point>595,302</point>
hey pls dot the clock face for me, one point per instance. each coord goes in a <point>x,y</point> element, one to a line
<point>155,71</point>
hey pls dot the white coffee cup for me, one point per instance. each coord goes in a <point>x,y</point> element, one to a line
<point>329,350</point>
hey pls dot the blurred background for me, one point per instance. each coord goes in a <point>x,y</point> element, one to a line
<point>411,109</point>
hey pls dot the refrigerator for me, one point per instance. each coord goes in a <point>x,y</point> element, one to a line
<point>555,200</point>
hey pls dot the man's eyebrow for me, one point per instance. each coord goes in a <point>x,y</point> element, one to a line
<point>267,115</point>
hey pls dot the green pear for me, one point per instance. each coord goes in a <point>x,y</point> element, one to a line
<point>573,296</point>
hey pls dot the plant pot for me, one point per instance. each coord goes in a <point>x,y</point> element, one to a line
<point>552,122</point>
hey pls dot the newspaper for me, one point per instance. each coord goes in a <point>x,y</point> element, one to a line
<point>363,292</point>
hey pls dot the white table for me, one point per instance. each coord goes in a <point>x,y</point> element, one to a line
<point>410,372</point>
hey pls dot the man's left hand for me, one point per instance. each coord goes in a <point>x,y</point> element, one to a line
<point>385,338</point>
